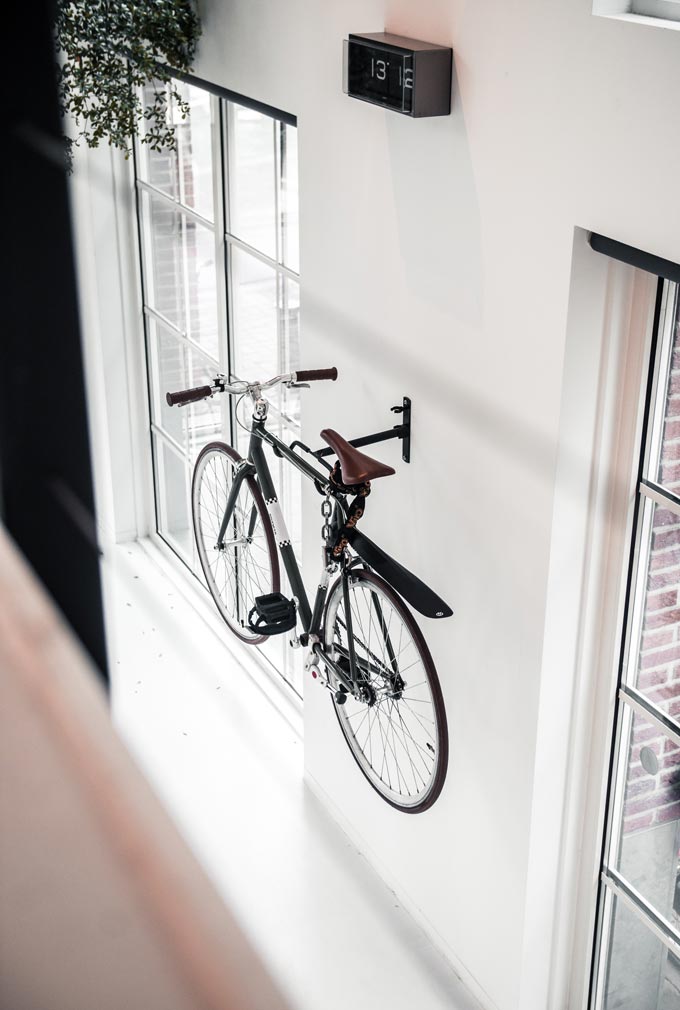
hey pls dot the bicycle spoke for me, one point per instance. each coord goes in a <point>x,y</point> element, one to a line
<point>395,739</point>
<point>245,567</point>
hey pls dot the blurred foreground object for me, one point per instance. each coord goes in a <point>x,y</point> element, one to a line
<point>46,490</point>
<point>101,902</point>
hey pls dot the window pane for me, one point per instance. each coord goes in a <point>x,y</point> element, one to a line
<point>185,173</point>
<point>201,286</point>
<point>158,168</point>
<point>169,373</point>
<point>194,135</point>
<point>641,973</point>
<point>668,471</point>
<point>172,499</point>
<point>650,815</point>
<point>254,308</point>
<point>252,178</point>
<point>177,366</point>
<point>289,197</point>
<point>290,340</point>
<point>655,671</point>
<point>206,419</point>
<point>164,259</point>
<point>180,276</point>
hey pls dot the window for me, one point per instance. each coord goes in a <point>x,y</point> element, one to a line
<point>638,960</point>
<point>666,9</point>
<point>660,13</point>
<point>219,240</point>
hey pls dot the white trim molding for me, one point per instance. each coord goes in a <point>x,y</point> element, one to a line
<point>608,333</point>
<point>652,13</point>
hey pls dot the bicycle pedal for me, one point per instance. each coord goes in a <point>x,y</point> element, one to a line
<point>272,614</point>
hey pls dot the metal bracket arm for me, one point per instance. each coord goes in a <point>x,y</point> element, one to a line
<point>402,431</point>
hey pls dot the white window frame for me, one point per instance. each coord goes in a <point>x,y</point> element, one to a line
<point>652,13</point>
<point>609,328</point>
<point>667,10</point>
<point>224,241</point>
<point>612,885</point>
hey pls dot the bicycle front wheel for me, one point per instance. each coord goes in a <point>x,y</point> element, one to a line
<point>246,565</point>
<point>397,732</point>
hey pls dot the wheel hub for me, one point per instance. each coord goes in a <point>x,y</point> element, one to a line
<point>366,694</point>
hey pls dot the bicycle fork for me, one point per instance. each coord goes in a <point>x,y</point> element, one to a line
<point>243,470</point>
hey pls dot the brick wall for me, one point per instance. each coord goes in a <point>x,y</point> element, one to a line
<point>653,796</point>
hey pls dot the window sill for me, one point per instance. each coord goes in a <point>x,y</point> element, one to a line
<point>284,699</point>
<point>604,9</point>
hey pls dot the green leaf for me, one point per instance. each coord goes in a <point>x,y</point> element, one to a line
<point>115,61</point>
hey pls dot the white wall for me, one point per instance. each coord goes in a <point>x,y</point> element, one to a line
<point>103,213</point>
<point>436,260</point>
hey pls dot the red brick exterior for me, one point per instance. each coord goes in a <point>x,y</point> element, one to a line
<point>655,798</point>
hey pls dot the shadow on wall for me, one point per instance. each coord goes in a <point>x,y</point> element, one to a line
<point>436,161</point>
<point>460,405</point>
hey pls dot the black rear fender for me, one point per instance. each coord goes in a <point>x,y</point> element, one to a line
<point>421,597</point>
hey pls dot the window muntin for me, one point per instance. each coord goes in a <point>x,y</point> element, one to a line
<point>638,963</point>
<point>653,666</point>
<point>218,226</point>
<point>290,235</point>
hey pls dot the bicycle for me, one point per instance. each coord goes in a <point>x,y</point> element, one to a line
<point>362,642</point>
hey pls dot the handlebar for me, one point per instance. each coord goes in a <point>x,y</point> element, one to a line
<point>317,375</point>
<point>184,396</point>
<point>220,385</point>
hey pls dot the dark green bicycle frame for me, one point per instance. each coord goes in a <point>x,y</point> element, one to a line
<point>256,464</point>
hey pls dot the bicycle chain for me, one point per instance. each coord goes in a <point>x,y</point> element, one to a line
<point>355,510</point>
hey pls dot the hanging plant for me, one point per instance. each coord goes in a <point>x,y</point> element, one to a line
<point>107,50</point>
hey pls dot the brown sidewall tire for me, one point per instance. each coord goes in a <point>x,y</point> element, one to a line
<point>433,681</point>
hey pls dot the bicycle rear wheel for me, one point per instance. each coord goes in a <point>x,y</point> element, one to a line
<point>398,733</point>
<point>248,564</point>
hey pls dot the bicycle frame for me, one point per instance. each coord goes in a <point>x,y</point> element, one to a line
<point>259,434</point>
<point>311,617</point>
<point>359,636</point>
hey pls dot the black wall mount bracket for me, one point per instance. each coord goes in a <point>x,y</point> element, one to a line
<point>402,431</point>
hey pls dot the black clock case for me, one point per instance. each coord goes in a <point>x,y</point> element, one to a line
<point>432,70</point>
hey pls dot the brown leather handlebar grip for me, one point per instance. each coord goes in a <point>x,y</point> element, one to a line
<point>316,374</point>
<point>183,396</point>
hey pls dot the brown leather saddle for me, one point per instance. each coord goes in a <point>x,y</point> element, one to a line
<point>357,468</point>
